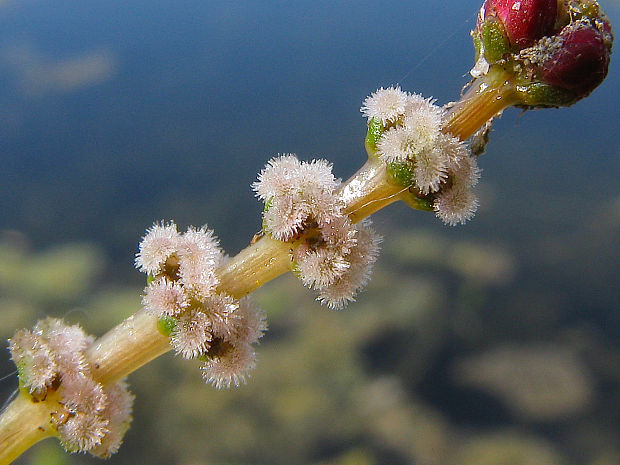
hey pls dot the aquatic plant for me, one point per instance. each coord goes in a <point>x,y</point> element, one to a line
<point>529,54</point>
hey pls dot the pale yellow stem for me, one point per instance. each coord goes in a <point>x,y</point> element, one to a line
<point>23,424</point>
<point>484,99</point>
<point>254,266</point>
<point>137,340</point>
<point>126,347</point>
<point>368,191</point>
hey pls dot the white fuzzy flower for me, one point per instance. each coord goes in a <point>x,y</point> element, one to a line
<point>164,297</point>
<point>199,255</point>
<point>395,145</point>
<point>221,311</point>
<point>424,124</point>
<point>250,324</point>
<point>387,105</point>
<point>191,335</point>
<point>295,194</point>
<point>455,205</point>
<point>360,259</point>
<point>230,367</point>
<point>118,414</point>
<point>467,172</point>
<point>454,150</point>
<point>34,360</point>
<point>277,177</point>
<point>319,268</point>
<point>430,169</point>
<point>81,432</point>
<point>418,132</point>
<point>160,242</point>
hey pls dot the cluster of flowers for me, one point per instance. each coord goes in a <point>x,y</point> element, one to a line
<point>202,322</point>
<point>443,169</point>
<point>331,255</point>
<point>90,417</point>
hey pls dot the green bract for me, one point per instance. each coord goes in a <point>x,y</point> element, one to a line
<point>494,40</point>
<point>375,131</point>
<point>166,324</point>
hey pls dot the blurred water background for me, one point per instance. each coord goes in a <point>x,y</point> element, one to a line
<point>493,343</point>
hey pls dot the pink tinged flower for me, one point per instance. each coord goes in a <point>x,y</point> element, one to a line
<point>317,176</point>
<point>82,394</point>
<point>285,216</point>
<point>111,442</point>
<point>191,335</point>
<point>82,431</point>
<point>325,207</point>
<point>319,268</point>
<point>294,193</point>
<point>120,402</point>
<point>34,360</point>
<point>387,105</point>
<point>221,312</point>
<point>339,232</point>
<point>230,367</point>
<point>67,343</point>
<point>164,297</point>
<point>524,21</point>
<point>361,259</point>
<point>581,60</point>
<point>278,177</point>
<point>199,255</point>
<point>118,414</point>
<point>250,324</point>
<point>160,242</point>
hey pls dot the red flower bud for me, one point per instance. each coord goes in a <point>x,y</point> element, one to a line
<point>525,21</point>
<point>580,62</point>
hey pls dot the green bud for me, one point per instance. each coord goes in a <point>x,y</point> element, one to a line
<point>166,324</point>
<point>494,41</point>
<point>539,94</point>
<point>417,203</point>
<point>400,173</point>
<point>375,130</point>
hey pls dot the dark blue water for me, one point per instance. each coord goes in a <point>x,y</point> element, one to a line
<point>113,115</point>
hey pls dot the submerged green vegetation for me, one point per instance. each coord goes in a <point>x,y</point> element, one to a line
<point>460,352</point>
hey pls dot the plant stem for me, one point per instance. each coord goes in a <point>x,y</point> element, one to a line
<point>23,424</point>
<point>255,265</point>
<point>486,96</point>
<point>126,347</point>
<point>137,340</point>
<point>368,191</point>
